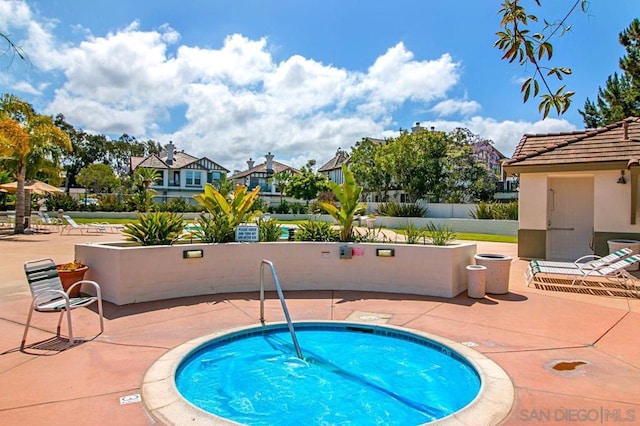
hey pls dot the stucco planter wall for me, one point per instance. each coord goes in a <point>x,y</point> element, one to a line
<point>130,274</point>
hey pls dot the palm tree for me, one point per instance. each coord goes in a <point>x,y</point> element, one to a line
<point>143,178</point>
<point>21,132</point>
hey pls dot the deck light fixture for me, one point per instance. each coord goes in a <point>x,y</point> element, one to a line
<point>621,179</point>
<point>192,254</point>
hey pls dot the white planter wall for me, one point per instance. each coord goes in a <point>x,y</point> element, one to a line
<point>138,274</point>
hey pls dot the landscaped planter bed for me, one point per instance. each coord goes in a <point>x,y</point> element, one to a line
<point>130,274</point>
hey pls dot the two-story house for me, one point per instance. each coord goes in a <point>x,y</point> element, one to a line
<point>332,169</point>
<point>180,175</point>
<point>262,175</point>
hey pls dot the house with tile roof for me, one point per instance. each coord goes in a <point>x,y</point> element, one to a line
<point>180,175</point>
<point>260,175</point>
<point>332,169</point>
<point>578,190</point>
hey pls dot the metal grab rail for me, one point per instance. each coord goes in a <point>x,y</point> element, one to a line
<point>282,301</point>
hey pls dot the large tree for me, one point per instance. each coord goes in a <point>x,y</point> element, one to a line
<point>306,185</point>
<point>365,160</point>
<point>22,132</point>
<point>98,178</point>
<point>620,97</point>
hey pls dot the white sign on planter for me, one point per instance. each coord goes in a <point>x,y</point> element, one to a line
<point>247,233</point>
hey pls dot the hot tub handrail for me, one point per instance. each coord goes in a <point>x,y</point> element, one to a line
<point>282,301</point>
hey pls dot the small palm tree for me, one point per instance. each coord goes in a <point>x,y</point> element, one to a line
<point>348,195</point>
<point>224,213</point>
<point>143,177</point>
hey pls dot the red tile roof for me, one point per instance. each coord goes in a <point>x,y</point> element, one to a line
<point>606,144</point>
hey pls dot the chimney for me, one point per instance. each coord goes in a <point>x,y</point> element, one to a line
<point>170,148</point>
<point>625,130</point>
<point>433,128</point>
<point>250,164</point>
<point>269,158</point>
<point>416,127</point>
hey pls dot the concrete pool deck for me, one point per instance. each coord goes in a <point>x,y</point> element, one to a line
<point>527,332</point>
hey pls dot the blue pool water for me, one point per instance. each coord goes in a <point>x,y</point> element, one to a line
<point>351,375</point>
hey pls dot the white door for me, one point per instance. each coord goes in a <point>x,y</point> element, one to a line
<point>569,218</point>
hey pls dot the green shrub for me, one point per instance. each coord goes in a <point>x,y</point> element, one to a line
<point>414,234</point>
<point>506,211</point>
<point>441,235</point>
<point>500,211</point>
<point>269,229</point>
<point>156,228</point>
<point>65,202</point>
<point>224,212</point>
<point>109,203</point>
<point>394,209</point>
<point>214,229</point>
<point>316,231</point>
<point>374,235</point>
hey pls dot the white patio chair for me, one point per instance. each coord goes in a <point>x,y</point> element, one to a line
<point>582,263</point>
<point>615,272</point>
<point>73,226</point>
<point>50,297</point>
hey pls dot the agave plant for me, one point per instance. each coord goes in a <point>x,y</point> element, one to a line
<point>224,214</point>
<point>156,228</point>
<point>348,195</point>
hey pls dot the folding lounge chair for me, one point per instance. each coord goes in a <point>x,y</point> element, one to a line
<point>581,263</point>
<point>49,295</point>
<point>46,221</point>
<point>613,272</point>
<point>111,227</point>
<point>73,226</point>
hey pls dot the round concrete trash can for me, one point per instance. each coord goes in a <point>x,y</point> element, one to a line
<point>634,245</point>
<point>498,268</point>
<point>476,281</point>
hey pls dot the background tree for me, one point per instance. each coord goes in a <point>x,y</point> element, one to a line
<point>119,152</point>
<point>307,185</point>
<point>467,179</point>
<point>87,149</point>
<point>365,163</point>
<point>98,178</point>
<point>21,131</point>
<point>417,163</point>
<point>620,98</point>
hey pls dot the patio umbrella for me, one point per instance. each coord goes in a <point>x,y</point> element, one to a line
<point>36,186</point>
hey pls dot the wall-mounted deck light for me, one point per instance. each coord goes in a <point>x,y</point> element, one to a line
<point>192,254</point>
<point>621,179</point>
<point>385,252</point>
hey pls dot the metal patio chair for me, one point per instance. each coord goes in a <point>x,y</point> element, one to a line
<point>50,297</point>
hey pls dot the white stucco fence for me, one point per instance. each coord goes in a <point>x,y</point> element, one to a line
<point>130,274</point>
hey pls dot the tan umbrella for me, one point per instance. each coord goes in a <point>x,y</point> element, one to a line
<point>36,186</point>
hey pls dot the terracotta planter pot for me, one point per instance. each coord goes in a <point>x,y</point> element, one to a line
<point>68,278</point>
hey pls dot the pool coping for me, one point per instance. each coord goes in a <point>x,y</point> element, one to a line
<point>163,402</point>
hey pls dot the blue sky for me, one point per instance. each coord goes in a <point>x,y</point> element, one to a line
<point>235,79</point>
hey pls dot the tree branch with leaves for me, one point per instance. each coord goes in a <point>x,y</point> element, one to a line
<point>523,47</point>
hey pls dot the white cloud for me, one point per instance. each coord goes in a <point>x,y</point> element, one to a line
<point>238,100</point>
<point>452,106</point>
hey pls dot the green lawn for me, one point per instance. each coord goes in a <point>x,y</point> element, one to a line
<point>461,235</point>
